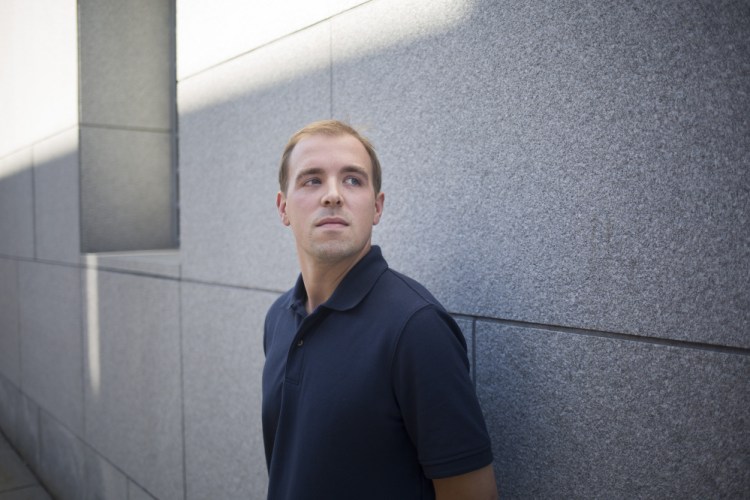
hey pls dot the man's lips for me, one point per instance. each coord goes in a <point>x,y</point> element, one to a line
<point>331,222</point>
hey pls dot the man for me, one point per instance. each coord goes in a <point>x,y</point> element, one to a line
<point>366,387</point>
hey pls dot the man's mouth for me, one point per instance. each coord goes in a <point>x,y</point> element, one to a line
<point>331,222</point>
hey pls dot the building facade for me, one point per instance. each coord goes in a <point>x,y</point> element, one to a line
<point>570,179</point>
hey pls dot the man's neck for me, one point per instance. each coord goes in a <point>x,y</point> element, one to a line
<point>322,278</point>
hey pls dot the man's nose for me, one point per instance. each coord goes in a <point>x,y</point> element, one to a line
<point>332,196</point>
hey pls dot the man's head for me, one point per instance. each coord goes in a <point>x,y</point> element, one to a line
<point>330,193</point>
<point>330,128</point>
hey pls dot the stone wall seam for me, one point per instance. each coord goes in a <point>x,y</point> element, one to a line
<point>18,325</point>
<point>38,141</point>
<point>474,351</point>
<point>33,201</point>
<point>523,324</point>
<point>83,290</point>
<point>85,443</point>
<point>182,390</point>
<point>687,344</point>
<point>133,128</point>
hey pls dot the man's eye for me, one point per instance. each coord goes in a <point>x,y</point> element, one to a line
<point>352,181</point>
<point>312,181</point>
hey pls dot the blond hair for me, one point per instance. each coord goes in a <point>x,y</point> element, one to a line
<point>331,128</point>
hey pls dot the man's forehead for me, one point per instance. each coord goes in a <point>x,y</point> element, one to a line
<point>319,147</point>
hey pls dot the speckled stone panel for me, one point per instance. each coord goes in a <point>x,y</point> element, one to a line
<point>51,344</point>
<point>578,416</point>
<point>165,263</point>
<point>17,205</point>
<point>126,190</point>
<point>10,341</point>
<point>223,349</point>
<point>102,479</point>
<point>28,493</point>
<point>126,63</point>
<point>10,398</point>
<point>574,164</point>
<point>62,460</point>
<point>26,439</point>
<point>14,475</point>
<point>132,382</point>
<point>56,198</point>
<point>235,121</point>
<point>135,492</point>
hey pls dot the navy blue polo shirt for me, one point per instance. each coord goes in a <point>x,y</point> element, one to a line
<point>369,396</point>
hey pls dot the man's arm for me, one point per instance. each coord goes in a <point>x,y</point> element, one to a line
<point>474,485</point>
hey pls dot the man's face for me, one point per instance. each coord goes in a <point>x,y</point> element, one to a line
<point>330,202</point>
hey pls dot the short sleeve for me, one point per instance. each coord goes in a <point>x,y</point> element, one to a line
<point>436,396</point>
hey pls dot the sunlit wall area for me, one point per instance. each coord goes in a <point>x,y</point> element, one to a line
<point>211,34</point>
<point>39,42</point>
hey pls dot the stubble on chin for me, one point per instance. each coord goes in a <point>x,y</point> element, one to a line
<point>330,249</point>
<point>332,252</point>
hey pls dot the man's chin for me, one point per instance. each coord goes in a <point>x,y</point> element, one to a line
<point>332,252</point>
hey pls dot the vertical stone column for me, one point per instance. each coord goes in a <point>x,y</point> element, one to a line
<point>127,120</point>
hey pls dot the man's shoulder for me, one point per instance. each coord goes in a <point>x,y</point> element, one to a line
<point>402,290</point>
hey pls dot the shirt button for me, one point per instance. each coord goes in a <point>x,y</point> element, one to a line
<point>299,344</point>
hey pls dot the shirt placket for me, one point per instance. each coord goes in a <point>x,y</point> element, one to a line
<point>296,354</point>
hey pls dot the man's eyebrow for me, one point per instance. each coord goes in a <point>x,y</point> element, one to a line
<point>349,169</point>
<point>356,170</point>
<point>309,171</point>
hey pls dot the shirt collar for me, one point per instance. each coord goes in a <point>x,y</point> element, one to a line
<point>356,284</point>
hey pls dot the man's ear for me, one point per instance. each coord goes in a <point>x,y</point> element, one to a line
<point>379,201</point>
<point>281,207</point>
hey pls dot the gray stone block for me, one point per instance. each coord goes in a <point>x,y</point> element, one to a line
<point>223,349</point>
<point>27,432</point>
<point>50,322</point>
<point>56,198</point>
<point>16,205</point>
<point>10,342</point>
<point>9,402</point>
<point>135,492</point>
<point>28,493</point>
<point>579,416</point>
<point>557,165</point>
<point>133,388</point>
<point>126,63</point>
<point>13,472</point>
<point>61,459</point>
<point>102,480</point>
<point>235,121</point>
<point>126,190</point>
<point>164,263</point>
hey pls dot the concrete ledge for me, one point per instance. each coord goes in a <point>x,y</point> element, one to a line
<point>165,263</point>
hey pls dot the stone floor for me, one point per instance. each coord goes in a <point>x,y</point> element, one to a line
<point>16,480</point>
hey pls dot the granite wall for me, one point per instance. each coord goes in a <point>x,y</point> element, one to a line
<point>571,180</point>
